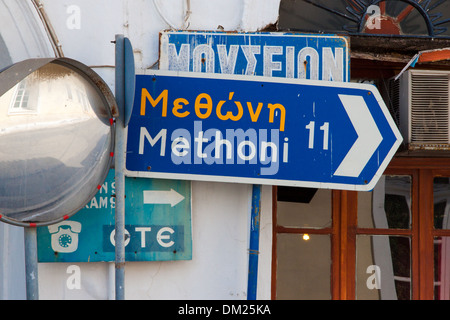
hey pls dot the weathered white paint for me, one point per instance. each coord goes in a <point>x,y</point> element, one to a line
<point>220,211</point>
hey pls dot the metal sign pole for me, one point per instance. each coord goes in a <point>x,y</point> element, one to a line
<point>124,89</point>
<point>120,177</point>
<point>31,263</point>
<point>120,214</point>
<point>253,251</point>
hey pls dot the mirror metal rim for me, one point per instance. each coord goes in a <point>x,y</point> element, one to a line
<point>15,73</point>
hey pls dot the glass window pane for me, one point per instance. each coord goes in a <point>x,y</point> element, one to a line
<point>383,267</point>
<point>442,268</point>
<point>388,206</point>
<point>304,207</point>
<point>303,267</point>
<point>441,196</point>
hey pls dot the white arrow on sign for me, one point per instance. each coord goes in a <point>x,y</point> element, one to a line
<point>162,197</point>
<point>369,137</point>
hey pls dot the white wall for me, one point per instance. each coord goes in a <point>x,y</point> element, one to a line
<point>220,211</point>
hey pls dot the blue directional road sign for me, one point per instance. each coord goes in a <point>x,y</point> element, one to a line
<point>259,130</point>
<point>157,217</point>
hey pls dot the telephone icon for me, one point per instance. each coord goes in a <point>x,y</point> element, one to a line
<point>65,236</point>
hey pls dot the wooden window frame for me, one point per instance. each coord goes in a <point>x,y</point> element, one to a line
<point>425,170</point>
<point>344,230</point>
<point>339,250</point>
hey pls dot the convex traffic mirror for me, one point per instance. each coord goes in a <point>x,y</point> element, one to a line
<point>56,139</point>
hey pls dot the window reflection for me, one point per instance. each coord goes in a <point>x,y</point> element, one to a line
<point>383,267</point>
<point>441,195</point>
<point>303,259</point>
<point>384,261</point>
<point>388,206</point>
<point>304,265</point>
<point>21,102</point>
<point>441,208</point>
<point>442,268</point>
<point>304,207</point>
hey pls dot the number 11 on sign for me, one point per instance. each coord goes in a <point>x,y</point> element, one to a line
<point>325,128</point>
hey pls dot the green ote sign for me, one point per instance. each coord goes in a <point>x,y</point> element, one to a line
<point>157,218</point>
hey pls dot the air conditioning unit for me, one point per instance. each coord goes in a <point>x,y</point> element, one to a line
<point>419,103</point>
